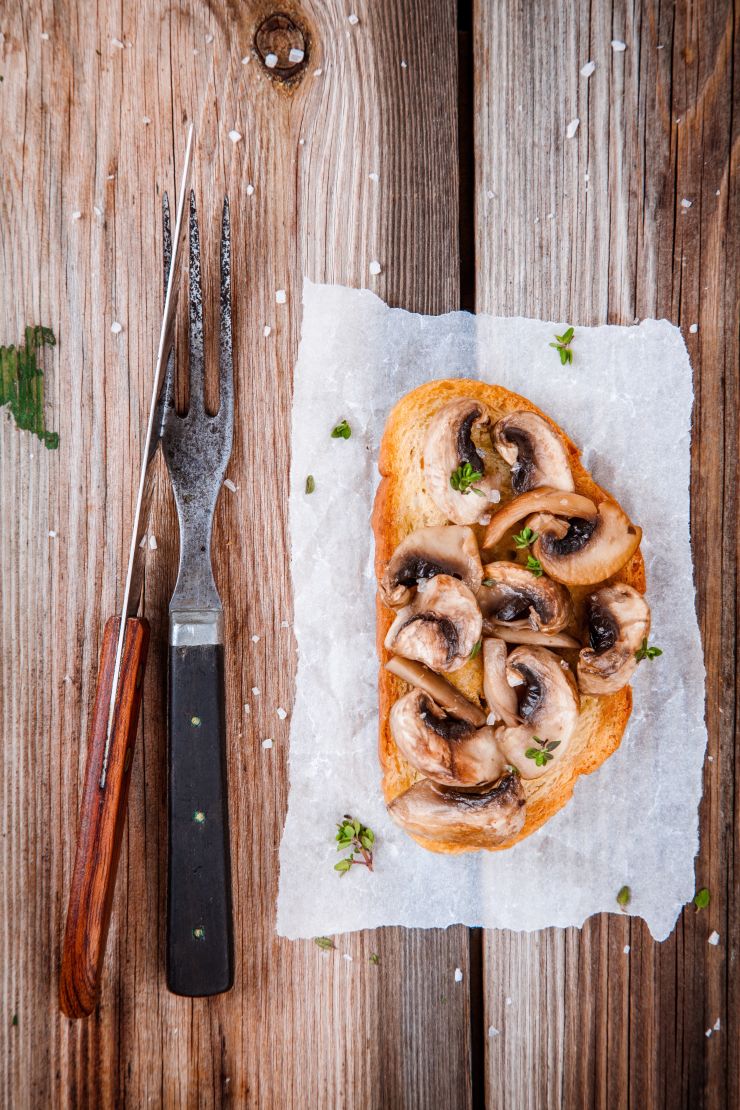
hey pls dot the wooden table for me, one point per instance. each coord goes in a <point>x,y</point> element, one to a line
<point>480,200</point>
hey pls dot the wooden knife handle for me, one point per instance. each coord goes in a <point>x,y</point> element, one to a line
<point>102,818</point>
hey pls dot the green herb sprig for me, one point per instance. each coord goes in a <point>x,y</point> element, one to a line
<point>563,345</point>
<point>525,538</point>
<point>324,942</point>
<point>624,897</point>
<point>701,898</point>
<point>310,483</point>
<point>341,431</point>
<point>22,384</point>
<point>534,565</point>
<point>463,478</point>
<point>645,652</point>
<point>542,754</point>
<point>374,958</point>
<point>476,649</point>
<point>359,839</point>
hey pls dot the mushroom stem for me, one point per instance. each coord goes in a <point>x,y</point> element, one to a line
<point>556,501</point>
<point>443,692</point>
<point>529,636</point>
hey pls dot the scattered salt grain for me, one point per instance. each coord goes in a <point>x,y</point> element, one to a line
<point>571,129</point>
<point>301,142</point>
<point>255,640</point>
<point>271,60</point>
<point>551,215</point>
<point>626,949</point>
<point>494,496</point>
<point>508,1001</point>
<point>256,691</point>
<point>618,46</point>
<point>266,330</point>
<point>250,190</point>
<point>716,1026</point>
<point>52,534</point>
<point>76,215</point>
<point>588,69</point>
<point>714,938</point>
<point>485,519</point>
<point>45,36</point>
<point>145,120</point>
<point>117,44</point>
<point>346,956</point>
<point>230,485</point>
<point>458,975</point>
<point>116,328</point>
<point>209,39</point>
<point>586,176</point>
<point>693,328</point>
<point>491,719</point>
<point>281,713</point>
<point>267,743</point>
<point>490,194</point>
<point>373,177</point>
<point>98,211</point>
<point>403,64</point>
<point>142,542</point>
<point>235,136</point>
<point>493,1031</point>
<point>710,758</point>
<point>353,19</point>
<point>246,60</point>
<point>686,203</point>
<point>295,55</point>
<point>318,72</point>
<point>152,543</point>
<point>374,267</point>
<point>247,708</point>
<point>284,624</point>
<point>708,1033</point>
<point>280,297</point>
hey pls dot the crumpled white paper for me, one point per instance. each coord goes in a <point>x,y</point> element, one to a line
<point>626,401</point>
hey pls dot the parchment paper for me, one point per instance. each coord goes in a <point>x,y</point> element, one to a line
<point>626,401</point>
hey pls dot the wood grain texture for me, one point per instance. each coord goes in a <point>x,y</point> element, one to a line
<point>300,1028</point>
<point>99,829</point>
<point>587,1025</point>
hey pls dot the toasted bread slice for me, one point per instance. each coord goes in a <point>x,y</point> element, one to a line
<point>402,505</point>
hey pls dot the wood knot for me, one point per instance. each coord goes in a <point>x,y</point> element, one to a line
<point>282,46</point>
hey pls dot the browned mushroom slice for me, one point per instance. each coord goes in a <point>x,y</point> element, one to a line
<point>528,636</point>
<point>543,500</point>
<point>591,548</point>
<point>618,619</point>
<point>445,748</point>
<point>449,445</point>
<point>440,627</point>
<point>513,596</point>
<point>449,549</point>
<point>501,698</point>
<point>443,692</point>
<point>548,706</point>
<point>456,817</point>
<point>534,451</point>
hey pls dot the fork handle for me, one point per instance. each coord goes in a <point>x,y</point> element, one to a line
<point>200,947</point>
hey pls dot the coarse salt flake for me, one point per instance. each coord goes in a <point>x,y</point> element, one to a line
<point>76,215</point>
<point>485,519</point>
<point>230,485</point>
<point>626,949</point>
<point>209,39</point>
<point>346,956</point>
<point>588,69</point>
<point>374,267</point>
<point>256,691</point>
<point>235,136</point>
<point>686,203</point>
<point>152,543</point>
<point>404,65</point>
<point>508,1001</point>
<point>45,36</point>
<point>493,1031</point>
<point>246,60</point>
<point>247,708</point>
<point>716,1025</point>
<point>458,975</point>
<point>267,743</point>
<point>52,534</point>
<point>373,177</point>
<point>494,496</point>
<point>116,328</point>
<point>353,19</point>
<point>713,938</point>
<point>145,120</point>
<point>318,72</point>
<point>295,55</point>
<point>281,713</point>
<point>255,639</point>
<point>280,297</point>
<point>266,330</point>
<point>250,190</point>
<point>618,46</point>
<point>571,129</point>
<point>693,328</point>
<point>271,60</point>
<point>117,44</point>
<point>98,211</point>
<point>708,1033</point>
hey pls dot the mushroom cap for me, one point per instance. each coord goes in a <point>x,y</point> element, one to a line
<point>448,445</point>
<point>446,549</point>
<point>543,500</point>
<point>440,627</point>
<point>512,595</point>
<point>447,749</point>
<point>534,451</point>
<point>444,693</point>
<point>548,707</point>
<point>432,812</point>
<point>501,698</point>
<point>618,619</point>
<point>587,548</point>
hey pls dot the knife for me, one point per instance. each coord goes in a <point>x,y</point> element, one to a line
<point>115,716</point>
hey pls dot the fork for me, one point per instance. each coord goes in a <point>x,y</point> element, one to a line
<point>197,448</point>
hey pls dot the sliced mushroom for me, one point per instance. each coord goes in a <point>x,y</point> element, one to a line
<point>449,549</point>
<point>444,693</point>
<point>588,548</point>
<point>440,627</point>
<point>618,620</point>
<point>548,706</point>
<point>501,698</point>
<point>445,748</point>
<point>543,500</point>
<point>528,636</point>
<point>434,813</point>
<point>511,595</point>
<point>534,451</point>
<point>449,445</point>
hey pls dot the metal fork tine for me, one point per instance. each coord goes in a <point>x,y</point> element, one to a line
<point>226,357</point>
<point>195,297</point>
<point>167,392</point>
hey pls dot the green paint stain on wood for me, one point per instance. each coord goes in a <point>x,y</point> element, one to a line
<point>22,384</point>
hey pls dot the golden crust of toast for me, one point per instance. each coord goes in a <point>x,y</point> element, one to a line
<point>401,505</point>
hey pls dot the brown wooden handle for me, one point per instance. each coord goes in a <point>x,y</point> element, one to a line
<point>102,818</point>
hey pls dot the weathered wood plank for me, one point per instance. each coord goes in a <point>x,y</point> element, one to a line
<point>301,1028</point>
<point>589,1025</point>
